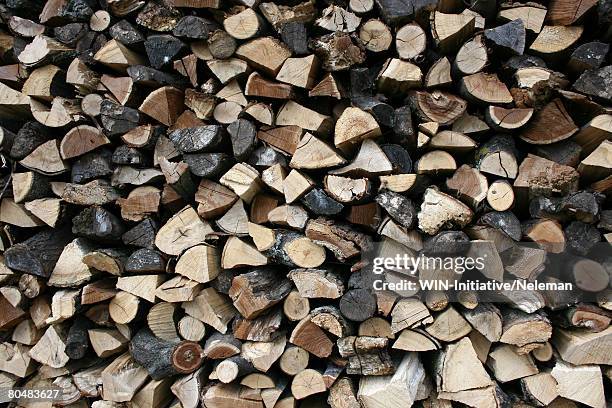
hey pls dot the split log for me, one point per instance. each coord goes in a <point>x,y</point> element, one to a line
<point>472,57</point>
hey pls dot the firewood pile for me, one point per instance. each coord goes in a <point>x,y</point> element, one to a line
<point>195,193</point>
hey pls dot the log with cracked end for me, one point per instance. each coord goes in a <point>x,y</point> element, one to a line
<point>440,210</point>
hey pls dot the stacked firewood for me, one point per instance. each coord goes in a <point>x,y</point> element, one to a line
<point>193,193</point>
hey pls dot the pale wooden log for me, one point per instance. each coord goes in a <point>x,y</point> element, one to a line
<point>296,307</point>
<point>82,77</point>
<point>361,6</point>
<point>439,74</point>
<point>458,360</point>
<point>284,138</point>
<point>202,104</point>
<point>187,388</point>
<point>485,88</point>
<point>44,83</point>
<point>563,12</point>
<point>106,342</point>
<point>327,87</point>
<point>46,159</point>
<point>376,327</point>
<point>469,125</point>
<point>227,70</point>
<point>542,388</point>
<point>375,35</point>
<point>436,162</point>
<point>596,165</point>
<point>397,77</point>
<point>296,185</point>
<point>500,195</point>
<point>347,190</point>
<point>122,88</point>
<point>62,112</point>
<point>520,328</point>
<point>227,112</point>
<point>583,384</point>
<point>393,391</point>
<point>583,347</point>
<point>263,354</point>
<point>451,30</point>
<point>415,340</point>
<point>243,180</point>
<point>438,209</point>
<point>80,140</point>
<point>507,119</point>
<point>164,104</point>
<point>154,394</point>
<point>554,40</point>
<point>289,215</point>
<point>469,185</point>
<point>334,18</point>
<point>508,365</point>
<point>449,140</point>
<point>69,270</point>
<point>592,134</point>
<point>16,214</point>
<point>292,113</point>
<point>50,349</point>
<point>117,56</point>
<point>261,112</point>
<point>407,313</point>
<point>15,360</point>
<point>29,186</point>
<point>410,41</point>
<point>200,263</point>
<point>183,230</point>
<point>122,378</point>
<point>317,283</point>
<point>213,199</point>
<point>237,253</point>
<point>211,308</point>
<point>124,307</point>
<point>556,177</point>
<point>300,72</point>
<point>13,103</point>
<point>243,25</point>
<point>257,85</point>
<point>42,50</point>
<point>265,54</point>
<point>191,329</point>
<point>63,305</point>
<point>448,326</point>
<point>226,395</point>
<point>398,183</point>
<point>160,321</point>
<point>306,383</point>
<point>532,14</point>
<point>313,153</point>
<point>235,220</point>
<point>25,27</point>
<point>294,360</point>
<point>471,57</point>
